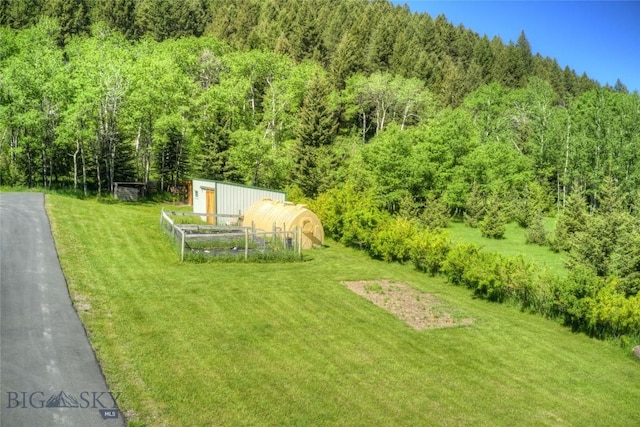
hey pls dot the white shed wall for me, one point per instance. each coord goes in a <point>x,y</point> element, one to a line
<point>198,195</point>
<point>231,199</point>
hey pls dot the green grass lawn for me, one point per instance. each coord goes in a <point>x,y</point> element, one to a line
<point>513,243</point>
<point>288,344</point>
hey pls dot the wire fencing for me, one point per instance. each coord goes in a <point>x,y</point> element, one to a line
<point>199,242</point>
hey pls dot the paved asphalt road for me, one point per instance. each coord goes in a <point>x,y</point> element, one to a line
<point>49,374</point>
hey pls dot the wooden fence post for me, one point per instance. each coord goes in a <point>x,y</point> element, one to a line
<point>182,247</point>
<point>246,244</point>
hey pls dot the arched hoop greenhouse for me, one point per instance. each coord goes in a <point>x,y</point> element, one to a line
<point>268,215</point>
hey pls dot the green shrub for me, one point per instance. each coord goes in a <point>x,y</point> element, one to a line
<point>429,250</point>
<point>349,216</point>
<point>407,207</point>
<point>521,212</point>
<point>517,276</point>
<point>630,285</point>
<point>569,296</point>
<point>610,313</point>
<point>538,298</point>
<point>359,226</point>
<point>392,240</point>
<point>482,275</point>
<point>457,261</point>
<point>492,276</point>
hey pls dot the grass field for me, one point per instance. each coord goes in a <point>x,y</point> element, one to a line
<point>288,344</point>
<point>512,244</point>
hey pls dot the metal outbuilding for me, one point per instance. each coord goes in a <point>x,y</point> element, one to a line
<point>278,215</point>
<point>224,198</point>
<point>129,191</point>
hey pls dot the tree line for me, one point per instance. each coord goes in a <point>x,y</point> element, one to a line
<point>388,123</point>
<point>103,108</point>
<point>345,37</point>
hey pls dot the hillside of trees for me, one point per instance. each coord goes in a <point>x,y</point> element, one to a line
<point>132,89</point>
<point>373,114</point>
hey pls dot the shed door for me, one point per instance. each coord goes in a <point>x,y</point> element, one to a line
<point>211,205</point>
<point>189,185</point>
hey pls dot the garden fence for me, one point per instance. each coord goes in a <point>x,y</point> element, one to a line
<point>231,241</point>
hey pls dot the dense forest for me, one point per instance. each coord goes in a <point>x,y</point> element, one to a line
<point>373,114</point>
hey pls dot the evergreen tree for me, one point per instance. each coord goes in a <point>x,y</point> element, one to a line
<point>620,87</point>
<point>594,246</point>
<point>349,55</point>
<point>408,208</point>
<point>572,220</point>
<point>316,129</point>
<point>475,207</point>
<point>304,34</point>
<point>344,61</point>
<point>536,232</point>
<point>119,15</point>
<point>451,86</point>
<point>610,201</point>
<point>529,205</point>
<point>484,58</point>
<point>163,19</point>
<point>523,59</point>
<point>402,59</point>
<point>20,13</point>
<point>210,155</point>
<point>494,223</point>
<point>570,82</point>
<point>172,156</point>
<point>73,17</point>
<point>435,213</point>
<point>625,259</point>
<point>380,49</point>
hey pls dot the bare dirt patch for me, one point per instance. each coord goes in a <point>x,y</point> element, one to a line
<point>81,303</point>
<point>417,309</point>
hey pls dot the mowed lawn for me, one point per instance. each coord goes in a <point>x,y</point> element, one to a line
<point>513,244</point>
<point>288,344</point>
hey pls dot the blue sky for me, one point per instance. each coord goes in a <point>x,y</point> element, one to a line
<point>601,38</point>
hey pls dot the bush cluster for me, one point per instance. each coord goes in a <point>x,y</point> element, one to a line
<point>583,301</point>
<point>595,305</point>
<point>491,276</point>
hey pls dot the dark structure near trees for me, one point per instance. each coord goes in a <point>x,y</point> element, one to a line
<point>129,191</point>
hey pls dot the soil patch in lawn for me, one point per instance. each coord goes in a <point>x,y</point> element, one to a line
<point>417,309</point>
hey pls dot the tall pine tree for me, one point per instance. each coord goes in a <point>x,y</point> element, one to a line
<point>119,15</point>
<point>494,223</point>
<point>73,16</point>
<point>572,220</point>
<point>315,132</point>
